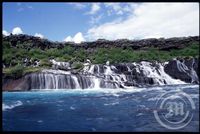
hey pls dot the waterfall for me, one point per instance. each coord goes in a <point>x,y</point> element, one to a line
<point>182,67</point>
<point>77,86</point>
<point>157,73</point>
<point>123,75</point>
<point>96,83</point>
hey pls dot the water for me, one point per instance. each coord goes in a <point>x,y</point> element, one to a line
<point>90,110</point>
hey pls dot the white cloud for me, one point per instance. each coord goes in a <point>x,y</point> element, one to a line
<point>152,20</point>
<point>78,38</point>
<point>115,6</point>
<point>5,33</point>
<point>95,7</point>
<point>68,39</point>
<point>39,35</point>
<point>78,5</point>
<point>118,8</point>
<point>17,30</point>
<point>23,7</point>
<point>95,19</point>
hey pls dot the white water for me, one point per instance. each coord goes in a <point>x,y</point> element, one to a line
<point>11,106</point>
<point>76,82</point>
<point>189,71</point>
<point>159,75</point>
<point>110,76</point>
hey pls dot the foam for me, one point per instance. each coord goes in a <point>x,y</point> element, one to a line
<point>8,107</point>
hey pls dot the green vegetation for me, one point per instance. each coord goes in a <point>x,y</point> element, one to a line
<point>15,71</point>
<point>116,55</point>
<point>18,71</point>
<point>77,65</point>
<point>13,56</point>
<point>45,63</point>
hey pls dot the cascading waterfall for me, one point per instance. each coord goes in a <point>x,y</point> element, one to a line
<point>157,73</point>
<point>124,75</point>
<point>182,67</point>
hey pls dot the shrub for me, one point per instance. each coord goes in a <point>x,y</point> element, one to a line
<point>32,69</point>
<point>13,55</point>
<point>6,45</point>
<point>64,58</point>
<point>7,58</point>
<point>77,65</point>
<point>53,52</point>
<point>45,63</point>
<point>37,53</point>
<point>80,55</point>
<point>17,71</point>
<point>67,50</point>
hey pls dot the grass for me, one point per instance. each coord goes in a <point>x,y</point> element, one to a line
<point>77,65</point>
<point>18,71</point>
<point>13,56</point>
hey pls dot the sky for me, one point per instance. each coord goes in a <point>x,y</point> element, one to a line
<point>79,22</point>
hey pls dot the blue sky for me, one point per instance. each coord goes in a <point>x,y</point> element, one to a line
<point>90,21</point>
<point>55,21</point>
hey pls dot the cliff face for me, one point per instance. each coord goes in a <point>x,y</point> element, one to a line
<point>122,75</point>
<point>161,44</point>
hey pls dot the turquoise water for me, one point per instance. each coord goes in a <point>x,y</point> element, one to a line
<point>90,110</point>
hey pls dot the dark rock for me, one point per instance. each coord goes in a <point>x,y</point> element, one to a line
<point>162,44</point>
<point>174,69</point>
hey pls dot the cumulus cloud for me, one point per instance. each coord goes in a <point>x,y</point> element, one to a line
<point>68,39</point>
<point>95,7</point>
<point>5,33</point>
<point>17,30</point>
<point>78,38</point>
<point>39,35</point>
<point>152,20</point>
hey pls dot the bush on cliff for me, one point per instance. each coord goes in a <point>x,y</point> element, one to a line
<point>45,63</point>
<point>77,65</point>
<point>67,50</point>
<point>14,55</point>
<point>17,71</point>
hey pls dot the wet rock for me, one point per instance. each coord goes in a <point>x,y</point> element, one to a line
<point>140,74</point>
<point>183,69</point>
